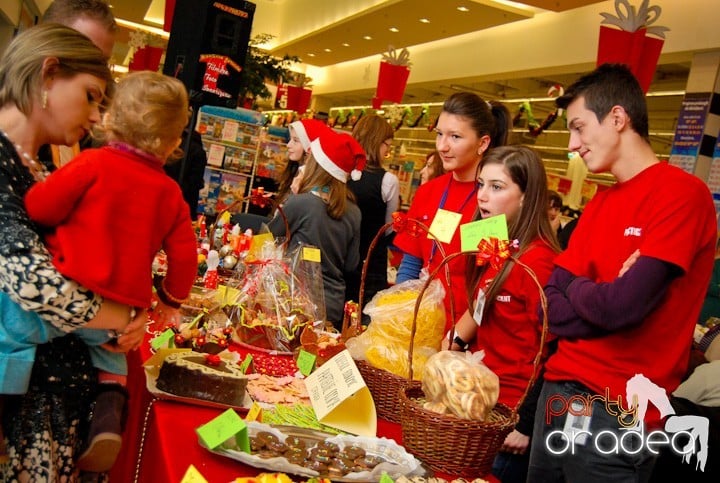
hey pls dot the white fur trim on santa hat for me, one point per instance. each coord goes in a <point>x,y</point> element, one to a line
<point>301,133</point>
<point>326,163</point>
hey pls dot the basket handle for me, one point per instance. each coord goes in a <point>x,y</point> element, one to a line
<point>425,229</point>
<point>543,332</point>
<point>256,197</point>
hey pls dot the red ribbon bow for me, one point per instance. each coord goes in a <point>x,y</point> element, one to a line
<point>402,223</point>
<point>493,251</point>
<point>351,308</point>
<point>259,198</point>
<point>212,360</point>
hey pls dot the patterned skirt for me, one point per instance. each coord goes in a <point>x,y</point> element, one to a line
<point>46,428</point>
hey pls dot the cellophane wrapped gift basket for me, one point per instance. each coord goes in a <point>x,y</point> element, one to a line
<point>381,351</point>
<point>277,297</point>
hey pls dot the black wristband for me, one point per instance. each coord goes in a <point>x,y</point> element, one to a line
<point>461,343</point>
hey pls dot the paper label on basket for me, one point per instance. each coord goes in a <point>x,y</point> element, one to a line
<point>471,233</point>
<point>306,362</point>
<point>444,225</point>
<point>340,397</point>
<point>192,475</point>
<point>311,254</point>
<point>216,431</point>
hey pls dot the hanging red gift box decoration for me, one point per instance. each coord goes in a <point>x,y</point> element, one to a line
<point>392,77</point>
<point>631,39</point>
<point>146,58</point>
<point>295,97</point>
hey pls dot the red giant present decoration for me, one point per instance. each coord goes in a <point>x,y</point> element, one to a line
<point>630,44</point>
<point>294,98</point>
<point>146,58</point>
<point>392,77</point>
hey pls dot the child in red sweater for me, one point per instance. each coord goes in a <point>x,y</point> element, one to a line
<point>110,210</point>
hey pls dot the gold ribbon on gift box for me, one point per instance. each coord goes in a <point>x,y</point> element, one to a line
<point>394,57</point>
<point>631,20</point>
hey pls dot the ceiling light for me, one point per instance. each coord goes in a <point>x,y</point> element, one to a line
<point>394,29</point>
<point>327,50</point>
<point>424,20</point>
<point>138,26</point>
<point>311,55</point>
<point>367,37</point>
<point>463,9</point>
<point>345,44</point>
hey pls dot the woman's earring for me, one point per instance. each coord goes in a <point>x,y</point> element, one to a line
<point>44,98</point>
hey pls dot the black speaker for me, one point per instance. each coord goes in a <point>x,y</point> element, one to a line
<point>207,48</point>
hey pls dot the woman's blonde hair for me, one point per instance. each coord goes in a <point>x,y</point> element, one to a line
<point>21,67</point>
<point>316,178</point>
<point>149,111</point>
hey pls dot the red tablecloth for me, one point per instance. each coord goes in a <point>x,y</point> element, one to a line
<point>160,442</point>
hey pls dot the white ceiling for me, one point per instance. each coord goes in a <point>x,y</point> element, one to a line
<point>375,17</point>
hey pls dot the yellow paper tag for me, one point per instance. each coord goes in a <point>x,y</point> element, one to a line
<point>256,244</point>
<point>340,398</point>
<point>192,475</point>
<point>444,225</point>
<point>255,413</point>
<point>311,254</point>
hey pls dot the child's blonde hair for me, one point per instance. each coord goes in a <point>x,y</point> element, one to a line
<point>149,112</point>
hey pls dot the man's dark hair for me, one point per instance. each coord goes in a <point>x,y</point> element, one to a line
<point>66,11</point>
<point>607,86</point>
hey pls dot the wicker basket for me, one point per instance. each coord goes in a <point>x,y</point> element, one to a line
<point>385,386</point>
<point>452,445</point>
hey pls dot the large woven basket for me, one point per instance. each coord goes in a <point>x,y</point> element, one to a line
<point>385,386</point>
<point>452,445</point>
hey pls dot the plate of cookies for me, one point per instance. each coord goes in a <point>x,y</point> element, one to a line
<point>313,453</point>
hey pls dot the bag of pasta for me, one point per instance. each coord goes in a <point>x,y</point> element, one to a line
<point>459,383</point>
<point>386,341</point>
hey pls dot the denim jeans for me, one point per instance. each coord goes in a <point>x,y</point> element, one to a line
<point>553,459</point>
<point>510,468</point>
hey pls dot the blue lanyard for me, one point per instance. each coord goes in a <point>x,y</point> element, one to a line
<point>443,199</point>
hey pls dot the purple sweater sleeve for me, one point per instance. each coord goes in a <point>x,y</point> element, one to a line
<point>580,307</point>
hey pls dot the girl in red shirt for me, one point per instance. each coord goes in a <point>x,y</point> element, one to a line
<point>503,319</point>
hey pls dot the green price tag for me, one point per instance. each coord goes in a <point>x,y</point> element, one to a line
<point>385,478</point>
<point>246,363</point>
<point>471,233</point>
<point>166,339</point>
<point>218,430</point>
<point>305,362</point>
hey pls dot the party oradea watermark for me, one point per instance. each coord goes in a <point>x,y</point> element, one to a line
<point>684,435</point>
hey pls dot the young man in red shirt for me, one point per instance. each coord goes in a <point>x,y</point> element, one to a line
<point>624,296</point>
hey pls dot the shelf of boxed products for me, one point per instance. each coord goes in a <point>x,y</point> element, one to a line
<point>238,149</point>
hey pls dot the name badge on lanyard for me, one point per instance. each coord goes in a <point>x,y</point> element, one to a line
<point>479,307</point>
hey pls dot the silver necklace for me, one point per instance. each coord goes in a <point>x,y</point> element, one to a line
<point>36,168</point>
